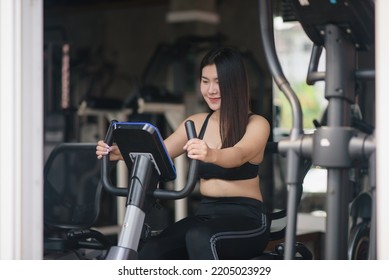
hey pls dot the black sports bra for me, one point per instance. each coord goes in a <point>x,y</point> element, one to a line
<point>213,171</point>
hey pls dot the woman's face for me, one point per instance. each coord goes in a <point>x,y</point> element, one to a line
<point>209,87</point>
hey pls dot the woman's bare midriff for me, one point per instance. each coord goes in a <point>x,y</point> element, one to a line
<point>226,188</point>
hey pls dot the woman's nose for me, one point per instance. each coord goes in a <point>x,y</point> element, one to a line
<point>213,88</point>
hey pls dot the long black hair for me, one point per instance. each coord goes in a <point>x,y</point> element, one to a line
<point>234,91</point>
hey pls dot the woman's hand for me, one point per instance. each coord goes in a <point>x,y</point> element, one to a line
<point>103,149</point>
<point>198,149</point>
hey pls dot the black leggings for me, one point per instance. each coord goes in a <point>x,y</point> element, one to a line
<point>222,228</point>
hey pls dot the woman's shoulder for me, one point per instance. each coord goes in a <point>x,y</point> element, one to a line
<point>258,120</point>
<point>257,117</point>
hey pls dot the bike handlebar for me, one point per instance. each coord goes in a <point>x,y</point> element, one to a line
<point>158,193</point>
<point>192,173</point>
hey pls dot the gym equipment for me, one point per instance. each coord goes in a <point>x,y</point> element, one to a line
<point>359,239</point>
<point>72,198</point>
<point>361,199</point>
<point>336,145</point>
<point>278,219</point>
<point>145,155</point>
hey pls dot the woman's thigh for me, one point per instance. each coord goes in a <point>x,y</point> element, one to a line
<point>170,243</point>
<point>228,238</point>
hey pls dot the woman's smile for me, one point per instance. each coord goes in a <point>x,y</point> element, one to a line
<point>214,99</point>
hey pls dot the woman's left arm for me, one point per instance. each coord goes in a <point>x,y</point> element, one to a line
<point>249,149</point>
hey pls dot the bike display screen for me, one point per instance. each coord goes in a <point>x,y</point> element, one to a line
<point>142,138</point>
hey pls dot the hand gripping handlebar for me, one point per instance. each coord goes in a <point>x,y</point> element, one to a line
<point>158,193</point>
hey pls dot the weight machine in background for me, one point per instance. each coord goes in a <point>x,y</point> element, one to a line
<point>343,28</point>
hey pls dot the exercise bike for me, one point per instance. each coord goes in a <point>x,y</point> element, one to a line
<point>146,157</point>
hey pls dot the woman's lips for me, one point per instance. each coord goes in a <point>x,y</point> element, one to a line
<point>214,100</point>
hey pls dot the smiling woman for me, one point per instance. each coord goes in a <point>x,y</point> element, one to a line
<point>231,141</point>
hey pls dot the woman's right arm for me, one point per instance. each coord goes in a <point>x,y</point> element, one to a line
<point>174,143</point>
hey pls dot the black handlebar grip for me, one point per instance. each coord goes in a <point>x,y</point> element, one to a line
<point>105,179</point>
<point>190,129</point>
<point>109,137</point>
<point>192,172</point>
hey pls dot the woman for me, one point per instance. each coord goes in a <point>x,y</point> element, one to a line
<point>231,221</point>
